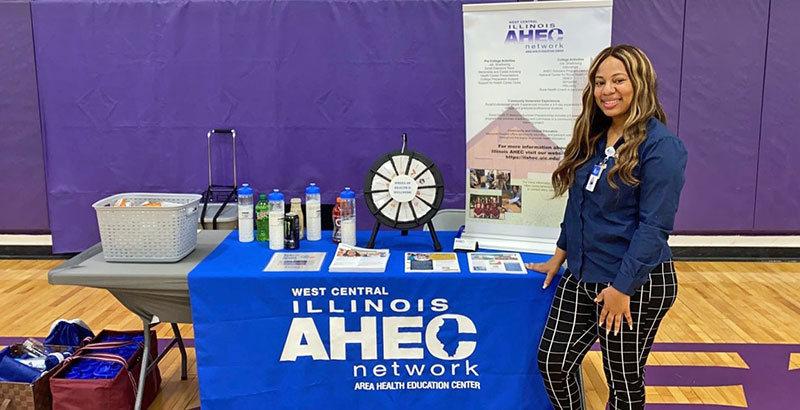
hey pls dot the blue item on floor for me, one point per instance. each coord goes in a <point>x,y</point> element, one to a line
<point>68,332</point>
<point>53,359</point>
<point>13,371</point>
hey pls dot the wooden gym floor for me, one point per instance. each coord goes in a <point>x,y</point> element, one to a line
<point>732,340</point>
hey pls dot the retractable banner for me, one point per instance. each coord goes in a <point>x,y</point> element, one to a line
<point>525,66</point>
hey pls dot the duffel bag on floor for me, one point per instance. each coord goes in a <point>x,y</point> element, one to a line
<point>105,375</point>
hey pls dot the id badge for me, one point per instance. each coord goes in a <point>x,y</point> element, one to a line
<point>596,172</point>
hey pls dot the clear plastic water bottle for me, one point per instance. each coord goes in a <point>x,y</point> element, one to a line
<point>348,216</point>
<point>262,219</point>
<point>245,213</point>
<point>276,211</point>
<point>313,213</point>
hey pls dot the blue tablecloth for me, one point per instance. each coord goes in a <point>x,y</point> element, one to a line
<point>400,341</point>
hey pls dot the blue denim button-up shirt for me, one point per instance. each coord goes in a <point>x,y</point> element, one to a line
<point>619,236</point>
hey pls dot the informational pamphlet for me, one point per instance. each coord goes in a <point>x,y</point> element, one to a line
<point>295,262</point>
<point>501,262</point>
<point>354,259</point>
<point>432,262</point>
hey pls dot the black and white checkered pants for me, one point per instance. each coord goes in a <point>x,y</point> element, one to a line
<point>572,328</point>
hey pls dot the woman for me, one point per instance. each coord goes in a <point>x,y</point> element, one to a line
<point>624,172</point>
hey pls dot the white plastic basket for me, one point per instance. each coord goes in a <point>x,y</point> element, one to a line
<point>148,234</point>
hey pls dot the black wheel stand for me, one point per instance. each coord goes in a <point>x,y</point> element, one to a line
<point>436,245</point>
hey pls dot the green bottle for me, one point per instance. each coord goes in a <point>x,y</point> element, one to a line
<point>262,219</point>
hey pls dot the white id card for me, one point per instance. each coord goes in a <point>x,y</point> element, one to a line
<point>596,172</point>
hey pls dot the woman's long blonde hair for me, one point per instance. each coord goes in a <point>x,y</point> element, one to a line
<point>592,123</point>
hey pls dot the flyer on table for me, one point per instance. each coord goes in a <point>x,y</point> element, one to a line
<point>354,259</point>
<point>432,262</point>
<point>501,262</point>
<point>295,262</point>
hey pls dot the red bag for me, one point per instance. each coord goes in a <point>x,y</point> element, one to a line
<point>117,393</point>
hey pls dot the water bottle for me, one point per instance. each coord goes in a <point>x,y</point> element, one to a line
<point>336,215</point>
<point>348,216</point>
<point>53,359</point>
<point>245,213</point>
<point>262,219</point>
<point>313,213</point>
<point>276,210</point>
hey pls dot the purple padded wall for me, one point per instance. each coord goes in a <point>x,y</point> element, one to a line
<point>127,103</point>
<point>723,71</point>
<point>777,199</point>
<point>317,90</point>
<point>23,207</point>
<point>655,26</point>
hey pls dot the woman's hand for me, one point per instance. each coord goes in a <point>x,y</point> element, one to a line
<point>615,305</point>
<point>549,268</point>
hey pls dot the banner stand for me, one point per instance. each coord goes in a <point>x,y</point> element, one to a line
<point>525,68</point>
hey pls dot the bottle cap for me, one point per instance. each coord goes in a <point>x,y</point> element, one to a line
<point>276,195</point>
<point>245,190</point>
<point>295,200</point>
<point>312,189</point>
<point>262,197</point>
<point>347,194</point>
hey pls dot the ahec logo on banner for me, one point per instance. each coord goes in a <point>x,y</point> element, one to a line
<point>434,354</point>
<point>535,35</point>
<point>525,69</point>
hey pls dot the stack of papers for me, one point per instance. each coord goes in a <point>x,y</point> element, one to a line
<point>432,262</point>
<point>498,262</point>
<point>354,259</point>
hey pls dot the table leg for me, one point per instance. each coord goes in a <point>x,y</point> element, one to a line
<point>143,371</point>
<point>182,348</point>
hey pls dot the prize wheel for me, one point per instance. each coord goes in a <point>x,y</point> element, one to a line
<point>404,190</point>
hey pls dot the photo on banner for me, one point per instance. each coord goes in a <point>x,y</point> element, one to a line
<point>525,70</point>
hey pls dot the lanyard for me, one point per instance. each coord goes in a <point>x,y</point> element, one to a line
<point>597,170</point>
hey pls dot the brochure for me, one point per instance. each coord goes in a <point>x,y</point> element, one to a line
<point>432,262</point>
<point>500,262</point>
<point>354,259</point>
<point>295,262</point>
